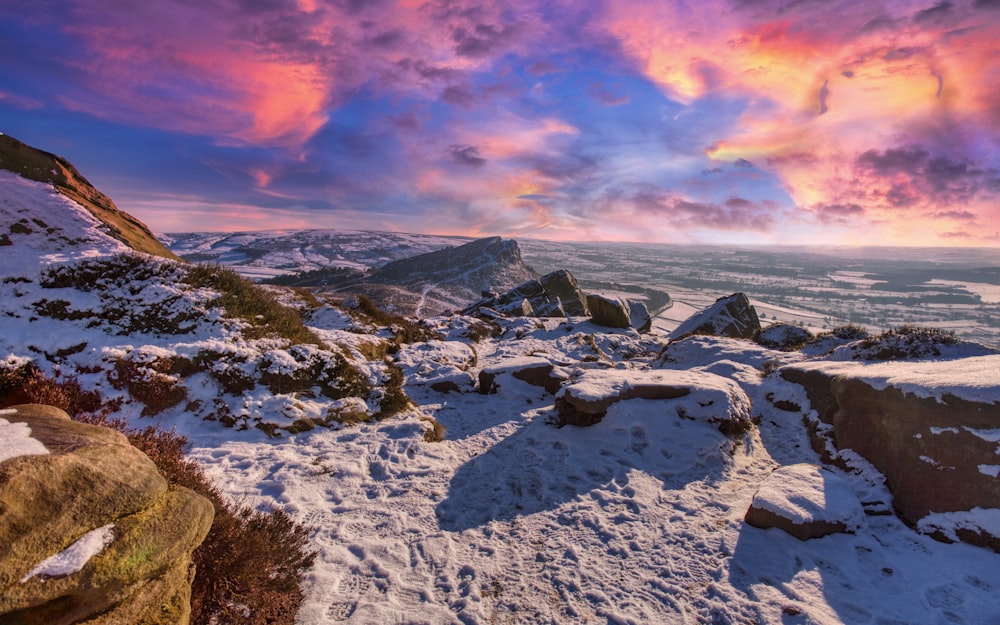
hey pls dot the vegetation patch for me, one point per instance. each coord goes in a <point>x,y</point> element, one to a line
<point>905,342</point>
<point>394,399</point>
<point>302,368</point>
<point>149,383</point>
<point>263,314</point>
<point>405,331</point>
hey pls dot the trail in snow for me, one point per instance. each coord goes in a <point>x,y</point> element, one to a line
<point>419,314</point>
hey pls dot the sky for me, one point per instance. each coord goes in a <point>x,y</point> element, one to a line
<point>807,122</point>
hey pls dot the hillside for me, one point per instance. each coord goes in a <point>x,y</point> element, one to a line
<point>443,465</point>
<point>34,164</point>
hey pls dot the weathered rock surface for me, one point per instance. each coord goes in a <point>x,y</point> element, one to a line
<point>806,501</point>
<point>610,312</point>
<point>731,316</point>
<point>35,164</point>
<point>91,478</point>
<point>556,294</point>
<point>922,424</point>
<point>706,396</point>
<point>533,370</point>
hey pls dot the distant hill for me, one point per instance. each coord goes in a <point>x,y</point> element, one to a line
<point>35,164</point>
<point>431,283</point>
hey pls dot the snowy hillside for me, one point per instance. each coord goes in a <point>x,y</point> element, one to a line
<point>263,254</point>
<point>450,504</point>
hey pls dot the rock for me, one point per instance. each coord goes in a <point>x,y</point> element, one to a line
<point>92,478</point>
<point>930,427</point>
<point>533,370</point>
<point>553,295</point>
<point>806,501</point>
<point>610,312</point>
<point>702,395</point>
<point>783,336</point>
<point>731,316</point>
<point>639,315</point>
<point>441,365</point>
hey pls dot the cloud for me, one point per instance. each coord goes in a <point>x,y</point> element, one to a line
<point>607,95</point>
<point>844,214</point>
<point>467,155</point>
<point>734,213</point>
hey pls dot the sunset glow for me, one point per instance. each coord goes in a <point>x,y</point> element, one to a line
<point>723,121</point>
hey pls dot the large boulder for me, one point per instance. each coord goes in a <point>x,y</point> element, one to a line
<point>931,427</point>
<point>556,294</point>
<point>806,501</point>
<point>731,316</point>
<point>91,532</point>
<point>693,394</point>
<point>610,312</point>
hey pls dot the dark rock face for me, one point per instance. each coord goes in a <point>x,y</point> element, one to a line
<point>610,312</point>
<point>92,478</point>
<point>34,164</point>
<point>731,316</point>
<point>932,453</point>
<point>553,295</point>
<point>480,264</point>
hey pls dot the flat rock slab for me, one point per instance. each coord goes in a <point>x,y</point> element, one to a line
<point>530,369</point>
<point>806,501</point>
<point>706,396</point>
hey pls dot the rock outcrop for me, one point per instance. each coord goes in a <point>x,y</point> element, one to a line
<point>35,164</point>
<point>610,312</point>
<point>696,394</point>
<point>617,312</point>
<point>553,295</point>
<point>806,501</point>
<point>731,316</point>
<point>92,480</point>
<point>932,428</point>
<point>532,370</point>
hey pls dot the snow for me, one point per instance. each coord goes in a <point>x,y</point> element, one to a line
<point>804,493</point>
<point>990,436</point>
<point>993,470</point>
<point>73,558</point>
<point>976,520</point>
<point>975,379</point>
<point>16,440</point>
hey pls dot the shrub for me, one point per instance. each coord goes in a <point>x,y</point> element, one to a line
<point>904,342</point>
<point>156,389</point>
<point>253,304</point>
<point>249,568</point>
<point>394,399</point>
<point>405,331</point>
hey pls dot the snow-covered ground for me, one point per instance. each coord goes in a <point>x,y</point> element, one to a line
<point>638,519</point>
<point>510,518</point>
